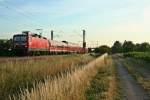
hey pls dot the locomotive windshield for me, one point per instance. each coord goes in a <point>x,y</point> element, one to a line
<point>20,38</point>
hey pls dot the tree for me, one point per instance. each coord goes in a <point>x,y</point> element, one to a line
<point>117,47</point>
<point>103,49</point>
<point>138,47</point>
<point>145,47</point>
<point>128,46</point>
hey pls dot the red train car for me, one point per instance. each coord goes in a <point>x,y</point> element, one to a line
<point>28,43</point>
<point>74,48</point>
<point>37,44</point>
<point>57,47</point>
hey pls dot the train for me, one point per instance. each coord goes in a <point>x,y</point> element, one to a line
<point>28,43</point>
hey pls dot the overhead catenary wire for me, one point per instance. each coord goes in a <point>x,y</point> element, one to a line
<point>29,14</point>
<point>30,17</point>
<point>10,20</point>
<point>20,12</point>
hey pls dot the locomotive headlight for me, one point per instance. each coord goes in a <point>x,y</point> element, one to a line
<point>26,46</point>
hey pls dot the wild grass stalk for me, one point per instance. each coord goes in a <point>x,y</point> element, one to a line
<point>18,75</point>
<point>69,87</point>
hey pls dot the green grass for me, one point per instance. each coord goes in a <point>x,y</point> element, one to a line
<point>99,86</point>
<point>104,85</point>
<point>139,55</point>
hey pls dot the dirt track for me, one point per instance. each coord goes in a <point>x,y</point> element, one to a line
<point>130,88</point>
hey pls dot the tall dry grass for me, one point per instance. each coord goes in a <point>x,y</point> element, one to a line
<point>18,75</point>
<point>69,87</point>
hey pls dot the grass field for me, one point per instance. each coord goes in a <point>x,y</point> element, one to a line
<point>72,77</point>
<point>15,76</point>
<point>72,86</point>
<point>139,55</point>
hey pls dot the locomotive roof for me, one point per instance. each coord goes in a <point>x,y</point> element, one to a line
<point>58,43</point>
<point>54,42</point>
<point>70,43</point>
<point>34,35</point>
<point>19,35</point>
<point>73,44</point>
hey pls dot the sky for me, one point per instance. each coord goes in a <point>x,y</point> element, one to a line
<point>105,21</point>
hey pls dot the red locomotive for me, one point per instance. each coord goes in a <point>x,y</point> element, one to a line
<point>28,43</point>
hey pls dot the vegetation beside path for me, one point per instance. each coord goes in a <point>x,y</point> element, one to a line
<point>141,79</point>
<point>138,66</point>
<point>105,84</point>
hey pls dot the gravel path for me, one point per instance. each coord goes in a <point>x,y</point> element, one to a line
<point>131,89</point>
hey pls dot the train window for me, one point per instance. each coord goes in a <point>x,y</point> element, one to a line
<point>20,38</point>
<point>16,38</point>
<point>23,38</point>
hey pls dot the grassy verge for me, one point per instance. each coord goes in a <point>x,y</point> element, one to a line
<point>139,55</point>
<point>138,76</point>
<point>69,87</point>
<point>104,85</point>
<point>18,75</point>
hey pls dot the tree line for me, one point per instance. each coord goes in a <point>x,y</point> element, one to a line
<point>127,46</point>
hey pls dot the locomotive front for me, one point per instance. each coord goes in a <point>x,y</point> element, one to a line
<point>20,44</point>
